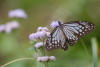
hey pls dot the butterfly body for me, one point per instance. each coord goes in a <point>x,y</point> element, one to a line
<point>67,34</point>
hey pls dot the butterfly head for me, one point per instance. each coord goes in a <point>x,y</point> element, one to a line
<point>55,24</point>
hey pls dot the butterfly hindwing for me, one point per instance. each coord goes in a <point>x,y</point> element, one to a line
<point>56,40</point>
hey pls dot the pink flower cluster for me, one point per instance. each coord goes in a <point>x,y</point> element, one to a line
<point>46,58</point>
<point>8,27</point>
<point>42,32</point>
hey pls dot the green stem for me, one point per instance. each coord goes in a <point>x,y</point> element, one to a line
<point>16,61</point>
<point>43,47</point>
<point>94,51</point>
<point>46,63</point>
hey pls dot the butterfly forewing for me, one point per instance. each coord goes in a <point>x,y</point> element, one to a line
<point>68,33</point>
<point>75,30</point>
<point>56,40</point>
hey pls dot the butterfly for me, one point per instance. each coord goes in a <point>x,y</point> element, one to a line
<point>68,34</point>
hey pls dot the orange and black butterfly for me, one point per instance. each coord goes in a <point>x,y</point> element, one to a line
<point>68,34</point>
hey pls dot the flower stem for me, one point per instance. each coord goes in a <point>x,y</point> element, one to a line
<point>43,48</point>
<point>46,63</point>
<point>94,51</point>
<point>16,61</point>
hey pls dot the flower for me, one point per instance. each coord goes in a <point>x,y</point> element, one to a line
<point>14,24</point>
<point>54,24</point>
<point>19,13</point>
<point>42,28</point>
<point>41,34</point>
<point>10,26</point>
<point>2,27</point>
<point>38,45</point>
<point>48,34</point>
<point>43,59</point>
<point>33,36</point>
<point>46,58</point>
<point>52,58</point>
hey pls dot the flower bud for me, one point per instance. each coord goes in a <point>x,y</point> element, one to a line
<point>43,59</point>
<point>38,45</point>
<point>52,58</point>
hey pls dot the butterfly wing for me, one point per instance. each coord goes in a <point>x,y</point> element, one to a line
<point>56,40</point>
<point>76,29</point>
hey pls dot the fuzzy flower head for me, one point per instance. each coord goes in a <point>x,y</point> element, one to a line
<point>54,24</point>
<point>52,58</point>
<point>46,58</point>
<point>2,28</point>
<point>37,35</point>
<point>38,45</point>
<point>42,59</point>
<point>14,24</point>
<point>18,13</point>
<point>10,26</point>
<point>33,36</point>
<point>48,34</point>
<point>43,28</point>
<point>41,34</point>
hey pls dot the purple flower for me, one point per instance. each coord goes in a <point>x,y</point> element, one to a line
<point>14,24</point>
<point>19,13</point>
<point>42,59</point>
<point>42,28</point>
<point>37,35</point>
<point>38,45</point>
<point>52,58</point>
<point>2,28</point>
<point>48,34</point>
<point>41,34</point>
<point>10,26</point>
<point>54,24</point>
<point>46,58</point>
<point>33,36</point>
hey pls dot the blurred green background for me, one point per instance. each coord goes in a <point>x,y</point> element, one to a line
<point>42,13</point>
